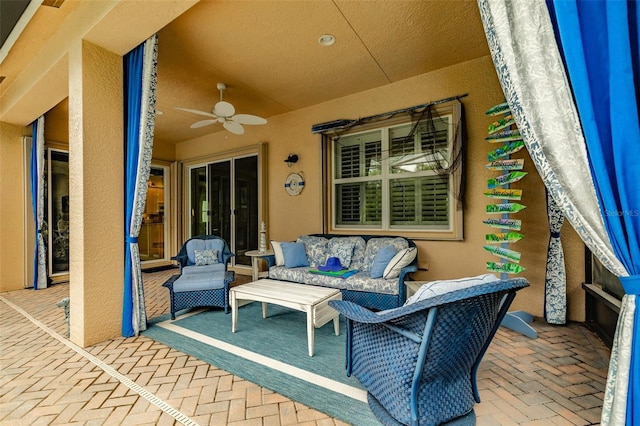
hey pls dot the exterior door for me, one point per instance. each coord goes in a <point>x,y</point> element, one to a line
<point>223,201</point>
<point>57,212</point>
<point>154,231</point>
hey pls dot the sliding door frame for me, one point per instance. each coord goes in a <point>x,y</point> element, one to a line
<point>260,151</point>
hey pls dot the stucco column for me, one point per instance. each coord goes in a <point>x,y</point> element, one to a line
<point>96,176</point>
<point>16,218</point>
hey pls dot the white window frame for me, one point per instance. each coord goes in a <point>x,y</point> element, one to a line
<point>452,231</point>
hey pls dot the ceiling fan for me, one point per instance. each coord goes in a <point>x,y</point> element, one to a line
<point>223,112</point>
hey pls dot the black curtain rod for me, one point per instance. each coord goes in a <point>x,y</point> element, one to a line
<point>335,124</point>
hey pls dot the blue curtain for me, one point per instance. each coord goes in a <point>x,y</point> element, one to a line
<point>140,68</point>
<point>599,42</point>
<point>133,92</point>
<point>34,196</point>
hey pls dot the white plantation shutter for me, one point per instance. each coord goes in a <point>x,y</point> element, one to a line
<point>420,201</point>
<point>359,200</point>
<point>398,177</point>
<point>349,161</point>
<point>373,203</point>
<point>403,202</point>
<point>435,200</point>
<point>436,139</point>
<point>348,201</point>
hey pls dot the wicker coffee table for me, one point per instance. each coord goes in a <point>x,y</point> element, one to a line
<point>302,297</point>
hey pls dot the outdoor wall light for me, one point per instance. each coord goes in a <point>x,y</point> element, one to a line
<point>291,159</point>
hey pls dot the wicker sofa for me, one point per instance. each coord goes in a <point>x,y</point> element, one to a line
<point>359,252</point>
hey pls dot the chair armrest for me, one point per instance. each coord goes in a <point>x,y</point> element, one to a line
<point>354,311</point>
<point>169,283</point>
<point>360,314</point>
<point>357,313</point>
<point>404,274</point>
<point>226,258</point>
<point>405,271</point>
<point>181,259</point>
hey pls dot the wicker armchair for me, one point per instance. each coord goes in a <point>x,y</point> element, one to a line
<point>419,362</point>
<point>203,280</point>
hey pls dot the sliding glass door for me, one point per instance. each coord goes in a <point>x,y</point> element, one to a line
<point>154,231</point>
<point>57,212</point>
<point>223,201</point>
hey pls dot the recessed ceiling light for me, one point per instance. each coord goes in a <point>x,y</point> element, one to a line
<point>158,112</point>
<point>326,40</point>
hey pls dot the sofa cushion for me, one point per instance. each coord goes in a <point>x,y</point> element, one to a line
<point>437,288</point>
<point>198,282</point>
<point>316,248</point>
<point>216,268</point>
<point>381,260</point>
<point>360,281</point>
<point>403,258</point>
<point>205,257</point>
<point>359,246</point>
<point>374,244</point>
<point>342,248</point>
<point>277,252</point>
<point>294,255</point>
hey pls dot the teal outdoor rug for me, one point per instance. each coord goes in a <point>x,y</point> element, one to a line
<point>272,353</point>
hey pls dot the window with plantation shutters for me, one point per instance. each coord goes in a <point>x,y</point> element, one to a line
<point>398,177</point>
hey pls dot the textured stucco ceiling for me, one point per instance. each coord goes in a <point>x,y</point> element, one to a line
<point>267,52</point>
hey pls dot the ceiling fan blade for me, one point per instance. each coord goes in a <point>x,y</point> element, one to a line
<point>234,127</point>
<point>249,119</point>
<point>195,111</point>
<point>224,109</point>
<point>202,123</point>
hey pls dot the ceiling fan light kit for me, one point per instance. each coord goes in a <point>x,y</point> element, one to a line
<point>225,113</point>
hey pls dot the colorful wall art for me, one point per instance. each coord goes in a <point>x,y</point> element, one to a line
<point>503,130</point>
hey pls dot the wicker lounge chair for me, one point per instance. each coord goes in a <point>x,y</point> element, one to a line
<point>418,362</point>
<point>202,281</point>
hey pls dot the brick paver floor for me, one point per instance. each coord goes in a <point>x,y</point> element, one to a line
<point>556,379</point>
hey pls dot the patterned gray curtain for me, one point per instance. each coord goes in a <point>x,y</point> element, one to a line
<point>38,188</point>
<point>555,283</point>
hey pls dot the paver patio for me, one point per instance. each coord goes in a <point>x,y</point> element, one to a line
<point>556,379</point>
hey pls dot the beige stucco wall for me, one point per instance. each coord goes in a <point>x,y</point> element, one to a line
<point>14,216</point>
<point>56,121</point>
<point>290,217</point>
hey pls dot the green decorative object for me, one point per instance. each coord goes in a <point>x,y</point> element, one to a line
<point>505,208</point>
<point>504,253</point>
<point>504,194</point>
<point>504,268</point>
<point>504,223</point>
<point>515,164</point>
<point>501,123</point>
<point>498,109</point>
<point>504,136</point>
<point>499,187</point>
<point>506,149</point>
<point>505,179</point>
<point>505,237</point>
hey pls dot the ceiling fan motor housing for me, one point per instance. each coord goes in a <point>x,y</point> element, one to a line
<point>223,112</point>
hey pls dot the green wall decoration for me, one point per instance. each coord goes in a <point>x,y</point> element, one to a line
<point>504,130</point>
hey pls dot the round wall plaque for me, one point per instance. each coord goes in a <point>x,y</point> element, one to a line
<point>294,184</point>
